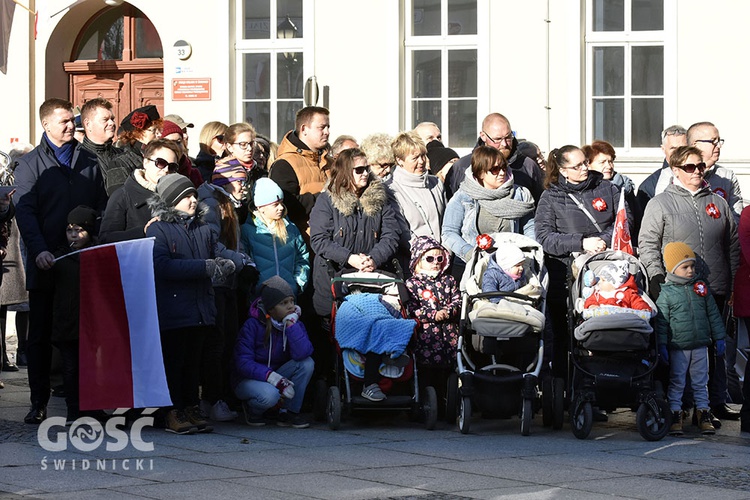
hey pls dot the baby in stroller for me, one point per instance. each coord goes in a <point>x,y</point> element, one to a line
<point>612,285</point>
<point>504,271</point>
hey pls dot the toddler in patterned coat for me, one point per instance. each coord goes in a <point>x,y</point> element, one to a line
<point>435,302</point>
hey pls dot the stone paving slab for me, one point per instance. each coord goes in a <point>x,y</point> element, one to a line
<point>209,489</point>
<point>648,488</point>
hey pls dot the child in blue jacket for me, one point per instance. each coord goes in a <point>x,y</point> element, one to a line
<point>272,363</point>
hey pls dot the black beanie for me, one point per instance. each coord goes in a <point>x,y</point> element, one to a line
<point>174,187</point>
<point>85,217</point>
<point>439,155</point>
<point>274,290</point>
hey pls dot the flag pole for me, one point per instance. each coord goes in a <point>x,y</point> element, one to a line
<point>100,246</point>
<point>23,7</point>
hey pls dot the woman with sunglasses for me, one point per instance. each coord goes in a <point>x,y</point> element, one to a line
<point>127,215</point>
<point>575,215</point>
<point>418,194</point>
<point>690,212</point>
<point>211,148</point>
<point>488,201</point>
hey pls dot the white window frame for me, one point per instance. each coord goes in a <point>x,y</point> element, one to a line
<point>628,39</point>
<point>272,46</point>
<point>446,43</point>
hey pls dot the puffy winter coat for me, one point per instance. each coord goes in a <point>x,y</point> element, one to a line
<point>291,261</point>
<point>127,212</point>
<point>561,226</point>
<point>495,279</point>
<point>255,358</point>
<point>342,225</point>
<point>688,316</point>
<point>702,220</point>
<point>184,295</point>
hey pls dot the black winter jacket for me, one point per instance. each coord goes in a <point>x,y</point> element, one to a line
<point>342,225</point>
<point>46,192</point>
<point>127,213</point>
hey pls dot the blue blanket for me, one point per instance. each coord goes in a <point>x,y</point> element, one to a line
<point>364,324</point>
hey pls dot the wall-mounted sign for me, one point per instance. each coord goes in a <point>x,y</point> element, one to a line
<point>191,89</point>
<point>183,50</point>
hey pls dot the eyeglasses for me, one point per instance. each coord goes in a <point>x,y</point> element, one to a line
<point>219,138</point>
<point>580,166</point>
<point>497,169</point>
<point>432,258</point>
<point>162,163</point>
<point>691,167</point>
<point>244,145</point>
<point>713,142</point>
<point>508,139</point>
<point>362,169</point>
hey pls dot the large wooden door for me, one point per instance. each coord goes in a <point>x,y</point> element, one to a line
<point>118,56</point>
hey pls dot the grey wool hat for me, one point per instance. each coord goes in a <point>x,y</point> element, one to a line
<point>174,187</point>
<point>274,290</point>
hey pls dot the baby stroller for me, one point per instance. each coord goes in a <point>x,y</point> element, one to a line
<point>400,383</point>
<point>500,345</point>
<point>613,353</point>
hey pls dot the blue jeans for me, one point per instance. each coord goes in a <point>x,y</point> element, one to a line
<point>261,395</point>
<point>694,361</point>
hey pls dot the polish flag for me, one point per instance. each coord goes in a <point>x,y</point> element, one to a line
<point>621,231</point>
<point>121,364</point>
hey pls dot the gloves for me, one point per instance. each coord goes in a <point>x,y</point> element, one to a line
<point>210,268</point>
<point>664,354</point>
<point>654,286</point>
<point>292,318</point>
<point>284,385</point>
<point>249,275</point>
<point>721,348</point>
<point>224,268</point>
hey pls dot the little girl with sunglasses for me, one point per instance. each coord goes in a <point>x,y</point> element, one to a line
<point>435,302</point>
<point>504,271</point>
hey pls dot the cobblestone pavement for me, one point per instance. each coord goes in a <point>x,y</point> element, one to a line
<point>369,457</point>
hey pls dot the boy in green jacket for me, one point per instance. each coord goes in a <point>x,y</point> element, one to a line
<point>687,322</point>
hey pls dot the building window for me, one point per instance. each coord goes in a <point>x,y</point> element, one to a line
<point>270,56</point>
<point>625,43</point>
<point>442,66</point>
<point>119,34</point>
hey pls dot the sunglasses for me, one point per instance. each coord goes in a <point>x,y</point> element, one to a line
<point>691,167</point>
<point>496,170</point>
<point>162,163</point>
<point>432,258</point>
<point>219,138</point>
<point>361,170</point>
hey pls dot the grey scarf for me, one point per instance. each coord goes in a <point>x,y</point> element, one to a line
<point>497,202</point>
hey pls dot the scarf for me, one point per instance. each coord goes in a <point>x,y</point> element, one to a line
<point>140,177</point>
<point>497,202</point>
<point>64,153</point>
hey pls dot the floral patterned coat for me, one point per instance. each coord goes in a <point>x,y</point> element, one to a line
<point>436,341</point>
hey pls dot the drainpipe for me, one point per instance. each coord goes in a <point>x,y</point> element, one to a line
<point>547,104</point>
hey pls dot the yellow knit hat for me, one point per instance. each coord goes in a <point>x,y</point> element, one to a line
<point>675,253</point>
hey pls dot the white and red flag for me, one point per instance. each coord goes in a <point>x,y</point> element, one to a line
<point>120,358</point>
<point>621,231</point>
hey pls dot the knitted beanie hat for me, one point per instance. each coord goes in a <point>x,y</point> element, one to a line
<point>273,291</point>
<point>170,128</point>
<point>266,192</point>
<point>675,253</point>
<point>174,187</point>
<point>439,155</point>
<point>224,173</point>
<point>507,255</point>
<point>85,217</point>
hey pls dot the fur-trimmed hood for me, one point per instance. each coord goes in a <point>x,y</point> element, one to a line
<point>169,214</point>
<point>372,201</point>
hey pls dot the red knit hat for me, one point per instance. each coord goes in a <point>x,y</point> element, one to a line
<point>170,128</point>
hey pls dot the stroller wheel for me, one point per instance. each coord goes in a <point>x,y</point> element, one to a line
<point>429,407</point>
<point>527,413</point>
<point>581,419</point>
<point>464,415</point>
<point>333,409</point>
<point>558,403</point>
<point>653,419</point>
<point>451,399</point>
<point>320,400</point>
<point>547,402</point>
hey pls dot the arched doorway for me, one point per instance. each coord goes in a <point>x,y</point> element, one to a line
<point>118,55</point>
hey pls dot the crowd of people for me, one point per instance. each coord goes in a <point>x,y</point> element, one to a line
<point>248,233</point>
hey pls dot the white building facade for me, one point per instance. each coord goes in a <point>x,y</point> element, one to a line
<point>563,71</point>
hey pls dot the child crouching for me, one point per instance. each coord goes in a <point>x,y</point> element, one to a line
<point>272,363</point>
<point>687,322</point>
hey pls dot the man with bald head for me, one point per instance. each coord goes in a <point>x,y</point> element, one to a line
<point>497,133</point>
<point>428,132</point>
<point>705,136</point>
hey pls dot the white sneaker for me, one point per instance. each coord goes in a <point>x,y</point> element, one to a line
<point>220,412</point>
